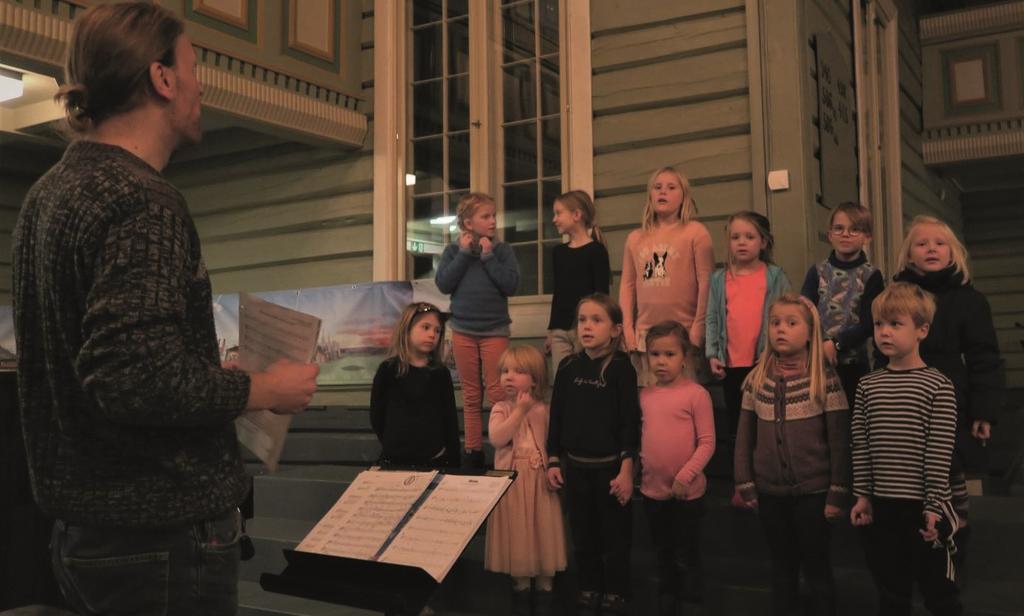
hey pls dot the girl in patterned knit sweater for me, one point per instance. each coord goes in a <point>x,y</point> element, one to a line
<point>792,451</point>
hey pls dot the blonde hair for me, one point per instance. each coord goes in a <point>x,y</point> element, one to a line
<point>904,298</point>
<point>956,248</point>
<point>764,228</point>
<point>400,337</point>
<point>468,205</point>
<point>686,212</point>
<point>815,354</point>
<point>580,201</point>
<point>107,69</point>
<point>614,312</point>
<point>527,359</point>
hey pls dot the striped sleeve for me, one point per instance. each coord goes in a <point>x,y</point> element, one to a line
<point>862,479</point>
<point>938,451</point>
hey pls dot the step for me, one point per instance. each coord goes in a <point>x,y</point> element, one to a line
<point>335,448</point>
<point>301,492</point>
<point>349,419</point>
<point>254,601</point>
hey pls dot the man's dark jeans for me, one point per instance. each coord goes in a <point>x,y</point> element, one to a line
<point>189,570</point>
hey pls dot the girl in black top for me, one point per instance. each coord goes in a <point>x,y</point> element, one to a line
<point>580,268</point>
<point>594,433</point>
<point>412,402</point>
<point>962,344</point>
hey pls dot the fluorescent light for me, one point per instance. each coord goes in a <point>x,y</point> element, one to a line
<point>442,220</point>
<point>410,179</point>
<point>11,86</point>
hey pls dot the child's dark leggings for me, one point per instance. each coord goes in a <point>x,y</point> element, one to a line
<point>732,390</point>
<point>601,529</point>
<point>798,538</point>
<point>897,557</point>
<point>675,533</point>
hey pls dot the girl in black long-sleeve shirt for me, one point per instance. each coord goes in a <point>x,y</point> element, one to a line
<point>412,402</point>
<point>962,344</point>
<point>594,433</point>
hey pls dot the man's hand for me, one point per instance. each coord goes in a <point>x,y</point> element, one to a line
<point>285,387</point>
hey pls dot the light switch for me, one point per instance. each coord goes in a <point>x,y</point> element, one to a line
<point>778,179</point>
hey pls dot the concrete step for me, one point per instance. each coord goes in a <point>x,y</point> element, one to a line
<point>254,601</point>
<point>301,492</point>
<point>348,419</point>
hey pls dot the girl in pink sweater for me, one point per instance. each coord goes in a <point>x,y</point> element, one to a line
<point>666,268</point>
<point>525,537</point>
<point>677,441</point>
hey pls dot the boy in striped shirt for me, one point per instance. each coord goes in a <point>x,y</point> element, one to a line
<point>903,428</point>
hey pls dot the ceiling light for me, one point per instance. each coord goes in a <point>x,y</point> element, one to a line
<point>410,179</point>
<point>11,85</point>
<point>443,220</point>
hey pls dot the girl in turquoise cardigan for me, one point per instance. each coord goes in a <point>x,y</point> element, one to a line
<point>738,301</point>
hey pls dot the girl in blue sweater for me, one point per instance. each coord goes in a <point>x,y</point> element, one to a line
<point>480,273</point>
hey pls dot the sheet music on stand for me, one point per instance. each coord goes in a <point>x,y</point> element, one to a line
<point>411,518</point>
<point>267,333</point>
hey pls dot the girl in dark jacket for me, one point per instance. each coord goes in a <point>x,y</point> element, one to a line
<point>961,343</point>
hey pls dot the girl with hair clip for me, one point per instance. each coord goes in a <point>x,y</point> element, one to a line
<point>593,435</point>
<point>962,344</point>
<point>581,268</point>
<point>480,273</point>
<point>737,317</point>
<point>525,537</point>
<point>412,401</point>
<point>792,454</point>
<point>666,266</point>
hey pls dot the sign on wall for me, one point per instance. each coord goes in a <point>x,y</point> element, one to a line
<point>837,128</point>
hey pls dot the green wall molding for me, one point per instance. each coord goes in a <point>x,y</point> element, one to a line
<point>233,85</point>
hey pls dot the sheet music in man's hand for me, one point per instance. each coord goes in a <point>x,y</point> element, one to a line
<point>442,514</point>
<point>268,333</point>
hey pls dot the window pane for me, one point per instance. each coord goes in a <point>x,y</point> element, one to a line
<point>526,256</point>
<point>453,201</point>
<point>425,241</point>
<point>425,11</point>
<point>520,91</point>
<point>551,145</point>
<point>549,271</point>
<point>428,165</point>
<point>517,32</point>
<point>521,152</point>
<point>426,53</point>
<point>458,7</point>
<point>458,103</point>
<point>550,101</point>
<point>552,188</point>
<point>548,26</point>
<point>458,161</point>
<point>426,108</point>
<point>458,46</point>
<point>521,213</point>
